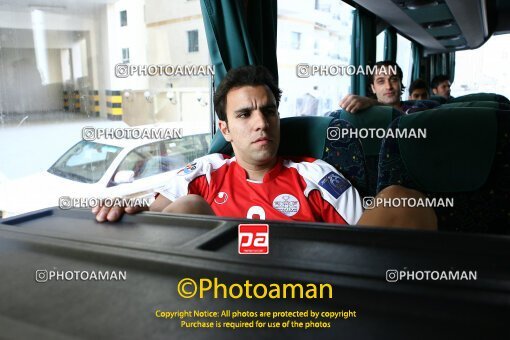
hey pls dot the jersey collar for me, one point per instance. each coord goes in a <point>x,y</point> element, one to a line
<point>268,177</point>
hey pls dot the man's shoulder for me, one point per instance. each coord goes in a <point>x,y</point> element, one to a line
<point>205,164</point>
<point>321,176</point>
<point>309,161</point>
<point>311,168</point>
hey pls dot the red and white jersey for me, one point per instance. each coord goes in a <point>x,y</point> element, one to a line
<point>301,189</point>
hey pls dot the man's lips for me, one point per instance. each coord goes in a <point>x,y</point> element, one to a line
<point>262,139</point>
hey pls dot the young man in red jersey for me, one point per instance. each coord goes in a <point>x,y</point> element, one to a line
<point>256,183</point>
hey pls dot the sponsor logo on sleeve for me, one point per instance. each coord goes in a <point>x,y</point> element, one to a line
<point>187,169</point>
<point>335,184</point>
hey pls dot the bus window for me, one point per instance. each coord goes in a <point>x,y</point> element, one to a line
<point>379,52</point>
<point>315,33</point>
<point>404,60</point>
<point>70,71</point>
<point>101,63</point>
<point>484,69</point>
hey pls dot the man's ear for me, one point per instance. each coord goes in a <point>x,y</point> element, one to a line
<point>373,88</point>
<point>434,91</point>
<point>224,130</point>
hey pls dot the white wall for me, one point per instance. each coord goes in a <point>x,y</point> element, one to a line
<point>21,88</point>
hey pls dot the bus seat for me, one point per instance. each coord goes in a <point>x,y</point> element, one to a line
<point>419,105</point>
<point>481,97</point>
<point>373,117</point>
<point>485,103</point>
<point>439,99</point>
<point>220,145</point>
<point>466,156</point>
<point>308,136</point>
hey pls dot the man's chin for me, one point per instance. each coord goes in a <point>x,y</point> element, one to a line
<point>264,156</point>
<point>390,102</point>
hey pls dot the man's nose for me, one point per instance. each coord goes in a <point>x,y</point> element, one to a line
<point>259,120</point>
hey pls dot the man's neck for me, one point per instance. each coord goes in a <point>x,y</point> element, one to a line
<point>257,172</point>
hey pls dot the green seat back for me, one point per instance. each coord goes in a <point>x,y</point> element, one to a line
<point>481,97</point>
<point>373,117</point>
<point>465,158</point>
<point>458,152</point>
<point>489,104</point>
<point>300,136</point>
<point>439,99</point>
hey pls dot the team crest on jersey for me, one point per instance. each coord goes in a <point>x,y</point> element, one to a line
<point>187,169</point>
<point>221,198</point>
<point>286,204</point>
<point>335,184</point>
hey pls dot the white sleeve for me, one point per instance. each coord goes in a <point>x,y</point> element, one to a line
<point>333,186</point>
<point>180,180</point>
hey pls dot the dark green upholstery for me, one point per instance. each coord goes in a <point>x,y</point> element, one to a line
<point>301,136</point>
<point>307,136</point>
<point>429,104</point>
<point>466,156</point>
<point>220,145</point>
<point>373,117</point>
<point>486,103</point>
<point>304,136</point>
<point>481,97</point>
<point>439,99</point>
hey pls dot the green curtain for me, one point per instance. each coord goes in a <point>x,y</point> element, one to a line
<point>443,63</point>
<point>390,44</point>
<point>237,39</point>
<point>417,52</point>
<point>362,48</point>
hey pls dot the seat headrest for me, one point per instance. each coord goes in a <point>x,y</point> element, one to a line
<point>485,103</point>
<point>439,99</point>
<point>373,117</point>
<point>457,153</point>
<point>299,136</point>
<point>481,97</point>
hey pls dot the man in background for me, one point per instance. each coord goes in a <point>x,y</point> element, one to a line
<point>419,90</point>
<point>308,104</point>
<point>441,86</point>
<point>387,86</point>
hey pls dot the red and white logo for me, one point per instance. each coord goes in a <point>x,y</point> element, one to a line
<point>221,198</point>
<point>253,238</point>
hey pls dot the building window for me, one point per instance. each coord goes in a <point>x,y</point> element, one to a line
<point>295,41</point>
<point>123,18</point>
<point>193,41</point>
<point>125,55</point>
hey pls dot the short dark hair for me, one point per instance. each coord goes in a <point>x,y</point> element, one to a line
<point>244,76</point>
<point>385,63</point>
<point>438,80</point>
<point>418,84</point>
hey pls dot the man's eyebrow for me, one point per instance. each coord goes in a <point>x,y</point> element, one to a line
<point>251,108</point>
<point>244,109</point>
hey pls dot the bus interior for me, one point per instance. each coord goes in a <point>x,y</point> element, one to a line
<point>69,65</point>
